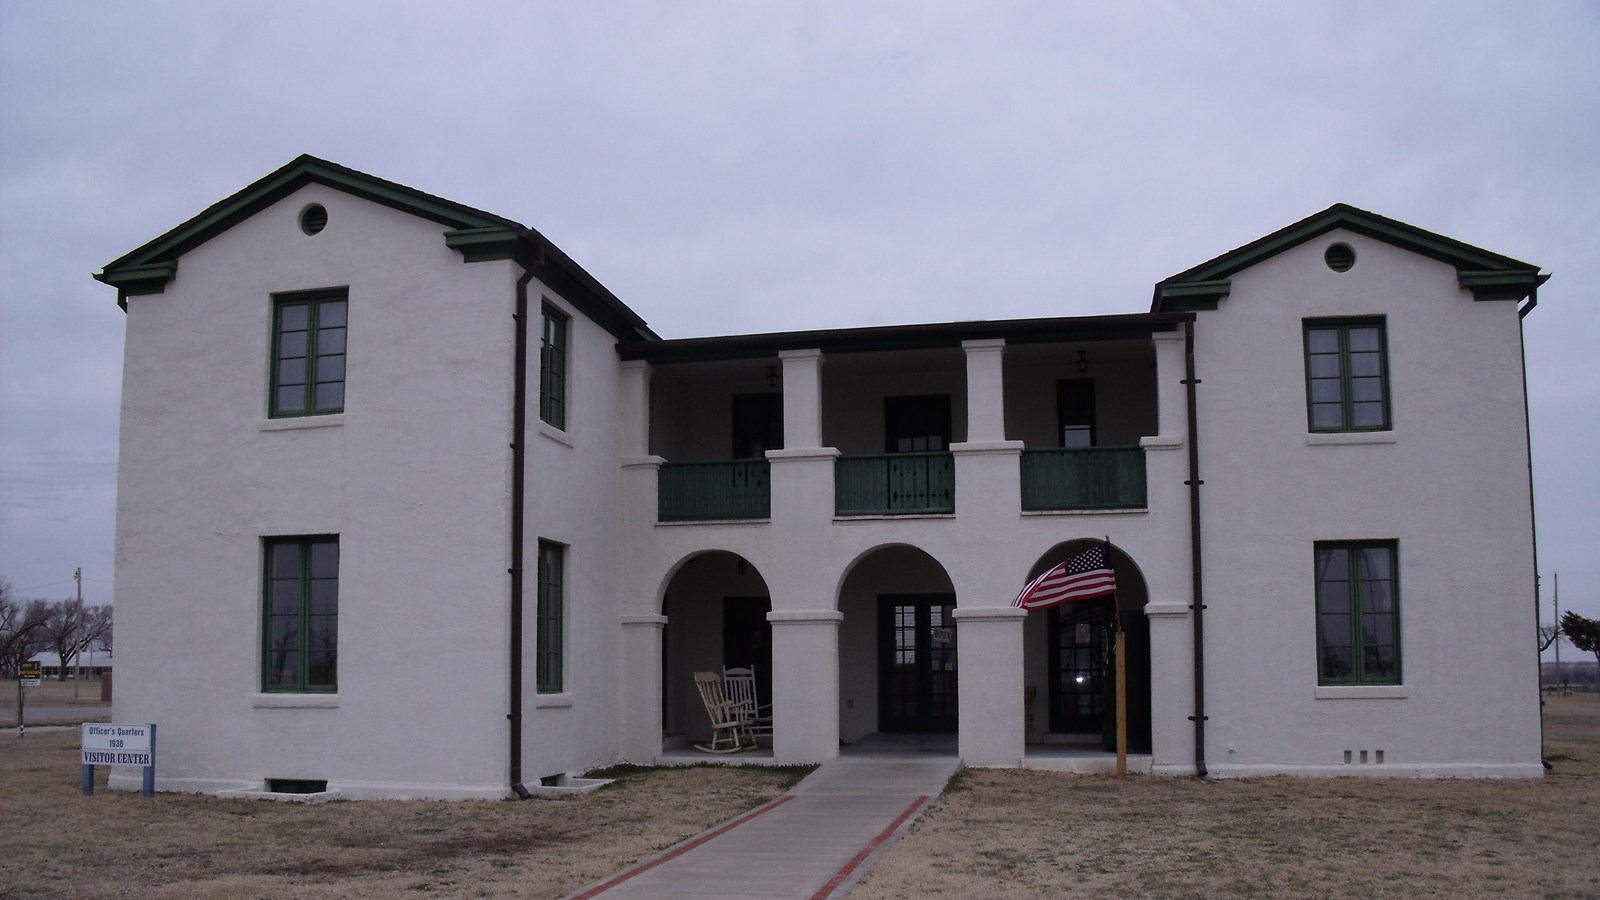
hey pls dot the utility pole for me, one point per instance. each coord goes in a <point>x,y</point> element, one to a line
<point>1555,599</point>
<point>77,575</point>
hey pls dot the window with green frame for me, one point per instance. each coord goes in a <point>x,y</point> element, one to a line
<point>1358,612</point>
<point>300,611</point>
<point>549,618</point>
<point>308,342</point>
<point>1347,375</point>
<point>553,369</point>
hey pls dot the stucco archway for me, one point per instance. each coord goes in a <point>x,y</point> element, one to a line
<point>716,606</point>
<point>1065,653</point>
<point>882,688</point>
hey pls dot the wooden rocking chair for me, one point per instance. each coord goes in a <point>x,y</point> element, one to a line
<point>729,732</point>
<point>739,686</point>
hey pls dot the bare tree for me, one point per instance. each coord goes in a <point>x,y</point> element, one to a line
<point>21,628</point>
<point>1548,635</point>
<point>67,634</point>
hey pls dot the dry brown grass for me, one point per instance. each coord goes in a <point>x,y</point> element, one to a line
<point>997,833</point>
<point>56,842</point>
<point>1034,834</point>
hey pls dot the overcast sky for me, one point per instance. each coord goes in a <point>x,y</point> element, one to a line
<point>745,166</point>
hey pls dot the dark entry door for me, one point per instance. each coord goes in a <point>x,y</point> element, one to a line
<point>1080,634</point>
<point>916,662</point>
<point>747,639</point>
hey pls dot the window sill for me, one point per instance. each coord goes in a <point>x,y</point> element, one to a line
<point>295,423</point>
<point>552,701</point>
<point>555,434</point>
<point>1363,692</point>
<point>1336,438</point>
<point>295,701</point>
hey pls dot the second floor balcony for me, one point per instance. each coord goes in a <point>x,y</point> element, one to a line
<point>893,424</point>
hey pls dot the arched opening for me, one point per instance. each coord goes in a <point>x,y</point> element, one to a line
<point>1069,664</point>
<point>897,645</point>
<point>716,606</point>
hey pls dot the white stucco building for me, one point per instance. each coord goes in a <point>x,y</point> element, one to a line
<point>411,505</point>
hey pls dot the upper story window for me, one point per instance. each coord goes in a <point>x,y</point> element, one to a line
<point>1347,375</point>
<point>308,349</point>
<point>553,369</point>
<point>916,424</point>
<point>300,634</point>
<point>1358,613</point>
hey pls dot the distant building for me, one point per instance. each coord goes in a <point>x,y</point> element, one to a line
<point>411,504</point>
<point>95,661</point>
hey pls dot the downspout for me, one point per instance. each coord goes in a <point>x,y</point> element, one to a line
<point>519,433</point>
<point>1533,519</point>
<point>1194,482</point>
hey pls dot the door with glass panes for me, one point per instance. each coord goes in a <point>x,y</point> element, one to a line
<point>917,662</point>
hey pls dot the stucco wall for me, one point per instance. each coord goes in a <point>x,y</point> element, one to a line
<point>413,477</point>
<point>1449,483</point>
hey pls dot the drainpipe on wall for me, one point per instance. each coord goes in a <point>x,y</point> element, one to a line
<point>1533,520</point>
<point>519,430</point>
<point>1194,482</point>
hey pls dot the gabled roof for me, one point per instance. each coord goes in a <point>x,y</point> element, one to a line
<point>477,234</point>
<point>1489,275</point>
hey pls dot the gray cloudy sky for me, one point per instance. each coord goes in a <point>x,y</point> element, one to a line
<point>750,166</point>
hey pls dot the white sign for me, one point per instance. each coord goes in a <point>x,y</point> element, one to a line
<point>116,745</point>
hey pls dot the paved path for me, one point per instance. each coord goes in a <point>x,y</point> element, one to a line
<point>815,841</point>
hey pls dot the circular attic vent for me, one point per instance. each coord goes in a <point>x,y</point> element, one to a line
<point>313,218</point>
<point>1339,257</point>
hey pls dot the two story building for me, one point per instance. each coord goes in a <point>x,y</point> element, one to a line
<point>446,518</point>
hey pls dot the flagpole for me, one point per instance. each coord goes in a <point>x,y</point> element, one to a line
<point>1122,678</point>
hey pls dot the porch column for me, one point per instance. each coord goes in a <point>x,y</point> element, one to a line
<point>986,400</point>
<point>1171,686</point>
<point>805,685</point>
<point>634,436</point>
<point>641,688</point>
<point>991,685</point>
<point>802,398</point>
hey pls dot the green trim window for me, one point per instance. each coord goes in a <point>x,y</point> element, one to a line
<point>308,342</point>
<point>1358,612</point>
<point>1347,375</point>
<point>300,613</point>
<point>550,618</point>
<point>553,369</point>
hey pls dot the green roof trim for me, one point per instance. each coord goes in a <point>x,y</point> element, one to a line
<point>1194,296</point>
<point>1508,274</point>
<point>477,234</point>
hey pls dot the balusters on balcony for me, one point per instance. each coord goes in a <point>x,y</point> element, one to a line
<point>894,484</point>
<point>1083,478</point>
<point>708,491</point>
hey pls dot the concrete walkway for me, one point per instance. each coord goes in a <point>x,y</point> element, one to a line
<point>815,841</point>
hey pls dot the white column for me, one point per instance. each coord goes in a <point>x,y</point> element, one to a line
<point>802,399</point>
<point>641,688</point>
<point>1172,686</point>
<point>986,399</point>
<point>990,685</point>
<point>634,429</point>
<point>805,685</point>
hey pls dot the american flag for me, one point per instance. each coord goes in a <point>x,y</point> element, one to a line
<point>1083,577</point>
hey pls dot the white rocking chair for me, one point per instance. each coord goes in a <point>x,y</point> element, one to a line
<point>739,686</point>
<point>729,732</point>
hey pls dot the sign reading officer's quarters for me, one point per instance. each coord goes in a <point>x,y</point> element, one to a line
<point>119,745</point>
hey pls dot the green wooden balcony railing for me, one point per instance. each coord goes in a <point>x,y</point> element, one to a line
<point>736,489</point>
<point>894,484</point>
<point>1083,478</point>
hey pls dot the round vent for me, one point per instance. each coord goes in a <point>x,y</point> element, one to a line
<point>314,218</point>
<point>1339,257</point>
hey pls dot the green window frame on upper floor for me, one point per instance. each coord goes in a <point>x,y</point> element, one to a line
<point>308,353</point>
<point>1347,375</point>
<point>1358,612</point>
<point>300,614</point>
<point>553,368</point>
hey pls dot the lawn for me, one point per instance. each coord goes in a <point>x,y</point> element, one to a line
<point>1009,833</point>
<point>996,833</point>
